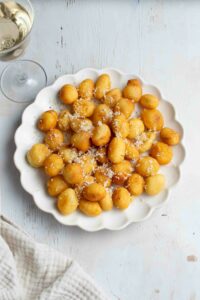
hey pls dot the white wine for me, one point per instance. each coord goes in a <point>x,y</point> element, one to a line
<point>15,24</point>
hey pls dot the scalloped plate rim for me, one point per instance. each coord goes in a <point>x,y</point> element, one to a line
<point>101,226</point>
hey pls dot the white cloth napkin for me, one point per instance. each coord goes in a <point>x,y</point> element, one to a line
<point>30,271</point>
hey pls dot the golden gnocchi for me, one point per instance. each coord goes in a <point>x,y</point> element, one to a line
<point>94,192</point>
<point>37,155</point>
<point>53,164</point>
<point>147,166</point>
<point>54,139</point>
<point>68,94</point>
<point>47,120</point>
<point>102,150</point>
<point>102,86</point>
<point>162,153</point>
<point>169,136</point>
<point>154,184</point>
<point>67,202</point>
<point>73,173</point>
<point>120,126</point>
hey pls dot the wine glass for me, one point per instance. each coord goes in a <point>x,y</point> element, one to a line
<point>21,80</point>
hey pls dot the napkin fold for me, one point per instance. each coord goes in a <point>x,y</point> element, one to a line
<point>33,271</point>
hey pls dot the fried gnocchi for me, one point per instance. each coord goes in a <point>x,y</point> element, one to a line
<point>68,94</point>
<point>53,165</point>
<point>86,88</point>
<point>147,166</point>
<point>125,106</point>
<point>67,202</point>
<point>152,119</point>
<point>121,198</point>
<point>102,150</point>
<point>94,192</point>
<point>102,114</point>
<point>154,184</point>
<point>54,139</point>
<point>56,185</point>
<point>73,173</point>
<point>149,101</point>
<point>120,126</point>
<point>121,172</point>
<point>47,120</point>
<point>162,153</point>
<point>102,86</point>
<point>116,150</point>
<point>91,209</point>
<point>37,155</point>
<point>136,127</point>
<point>101,135</point>
<point>112,97</point>
<point>83,108</point>
<point>64,120</point>
<point>169,136</point>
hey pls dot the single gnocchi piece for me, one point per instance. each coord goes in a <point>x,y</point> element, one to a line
<point>48,120</point>
<point>81,140</point>
<point>121,171</point>
<point>102,114</point>
<point>162,153</point>
<point>169,136</point>
<point>144,141</point>
<point>94,192</point>
<point>147,166</point>
<point>79,187</point>
<point>149,101</point>
<point>91,209</point>
<point>136,127</point>
<point>120,126</point>
<point>83,107</point>
<point>154,184</point>
<point>101,176</point>
<point>67,202</point>
<point>124,106</point>
<point>101,155</point>
<point>132,92</point>
<point>37,155</point>
<point>102,86</point>
<point>53,165</point>
<point>101,135</point>
<point>106,203</point>
<point>68,94</point>
<point>135,184</point>
<point>64,120</point>
<point>116,150</point>
<point>152,119</point>
<point>131,151</point>
<point>121,198</point>
<point>86,89</point>
<point>68,154</point>
<point>73,173</point>
<point>56,185</point>
<point>54,138</point>
<point>80,124</point>
<point>112,97</point>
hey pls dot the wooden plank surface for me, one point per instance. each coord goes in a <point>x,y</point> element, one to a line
<point>159,40</point>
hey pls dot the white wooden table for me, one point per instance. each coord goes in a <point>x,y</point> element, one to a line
<point>159,40</point>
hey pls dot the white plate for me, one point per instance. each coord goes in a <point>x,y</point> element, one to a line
<point>33,180</point>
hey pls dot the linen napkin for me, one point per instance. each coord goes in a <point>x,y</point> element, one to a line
<point>33,271</point>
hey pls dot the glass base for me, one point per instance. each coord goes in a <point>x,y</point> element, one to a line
<point>21,80</point>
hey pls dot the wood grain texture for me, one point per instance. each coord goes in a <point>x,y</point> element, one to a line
<point>158,40</point>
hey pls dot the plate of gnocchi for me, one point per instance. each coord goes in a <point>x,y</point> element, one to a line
<point>99,149</point>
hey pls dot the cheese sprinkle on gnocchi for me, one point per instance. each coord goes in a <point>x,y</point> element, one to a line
<point>97,153</point>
